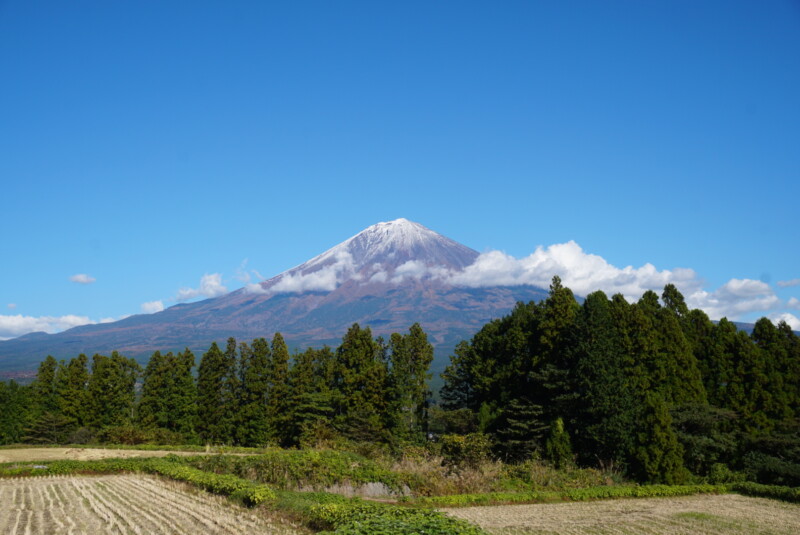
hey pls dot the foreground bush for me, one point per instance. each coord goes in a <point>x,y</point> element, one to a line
<point>788,494</point>
<point>294,469</point>
<point>360,518</point>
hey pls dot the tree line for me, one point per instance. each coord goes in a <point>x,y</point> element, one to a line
<point>650,388</point>
<point>247,394</point>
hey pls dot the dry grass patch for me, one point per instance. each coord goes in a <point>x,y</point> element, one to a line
<point>125,504</point>
<point>700,515</point>
<point>78,454</point>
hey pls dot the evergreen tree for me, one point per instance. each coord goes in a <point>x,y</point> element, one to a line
<point>410,358</point>
<point>460,382</point>
<point>183,395</point>
<point>521,430</point>
<point>657,456</point>
<point>48,428</point>
<point>71,393</point>
<point>211,410</point>
<point>253,428</point>
<point>775,359</point>
<point>674,301</point>
<point>310,395</point>
<point>44,387</point>
<point>152,411</point>
<point>15,402</point>
<point>278,401</point>
<point>606,405</point>
<point>683,383</point>
<point>790,368</point>
<point>554,377</point>
<point>230,393</point>
<point>168,393</point>
<point>111,390</point>
<point>360,375</point>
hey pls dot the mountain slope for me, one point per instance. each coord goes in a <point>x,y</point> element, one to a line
<point>388,276</point>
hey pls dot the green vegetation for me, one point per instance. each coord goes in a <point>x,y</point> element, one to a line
<point>251,395</point>
<point>652,389</point>
<point>570,495</point>
<point>316,469</point>
<point>559,400</point>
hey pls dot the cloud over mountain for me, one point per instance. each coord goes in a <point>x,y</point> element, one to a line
<point>152,306</point>
<point>583,272</point>
<point>17,325</point>
<point>210,286</point>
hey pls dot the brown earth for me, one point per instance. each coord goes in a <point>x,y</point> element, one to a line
<point>78,454</point>
<point>696,515</point>
<point>123,504</point>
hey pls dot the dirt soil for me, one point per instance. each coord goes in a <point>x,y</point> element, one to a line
<point>712,515</point>
<point>78,454</point>
<point>123,504</point>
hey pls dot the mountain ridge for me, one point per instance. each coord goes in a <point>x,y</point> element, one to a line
<point>388,276</point>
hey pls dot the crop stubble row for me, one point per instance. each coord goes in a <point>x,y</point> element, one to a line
<point>121,504</point>
<point>728,514</point>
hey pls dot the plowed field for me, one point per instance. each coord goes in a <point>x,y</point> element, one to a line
<point>123,504</point>
<point>728,514</point>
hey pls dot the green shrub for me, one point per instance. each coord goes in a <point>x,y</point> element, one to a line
<point>359,518</point>
<point>465,450</point>
<point>292,469</point>
<point>720,473</point>
<point>124,434</point>
<point>584,494</point>
<point>788,494</point>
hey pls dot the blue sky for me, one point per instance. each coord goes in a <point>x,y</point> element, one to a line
<point>149,146</point>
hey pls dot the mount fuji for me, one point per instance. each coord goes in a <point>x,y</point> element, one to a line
<point>387,277</point>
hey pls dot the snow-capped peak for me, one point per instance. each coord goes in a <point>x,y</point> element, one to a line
<point>392,243</point>
<point>375,253</point>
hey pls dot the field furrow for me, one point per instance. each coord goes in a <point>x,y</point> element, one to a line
<point>138,501</point>
<point>122,504</point>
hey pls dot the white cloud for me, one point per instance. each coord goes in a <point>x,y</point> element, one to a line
<point>789,283</point>
<point>735,298</point>
<point>210,286</point>
<point>583,273</point>
<point>82,278</point>
<point>378,276</point>
<point>790,319</point>
<point>17,325</point>
<point>152,306</point>
<point>12,306</point>
<point>325,279</point>
<point>793,303</point>
<point>255,288</point>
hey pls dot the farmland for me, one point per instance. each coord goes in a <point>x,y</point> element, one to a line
<point>123,504</point>
<point>727,514</point>
<point>77,454</point>
<point>69,490</point>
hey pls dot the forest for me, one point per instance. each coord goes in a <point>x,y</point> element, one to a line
<point>651,390</point>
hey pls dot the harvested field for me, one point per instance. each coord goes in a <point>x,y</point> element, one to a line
<point>78,454</point>
<point>123,504</point>
<point>728,514</point>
